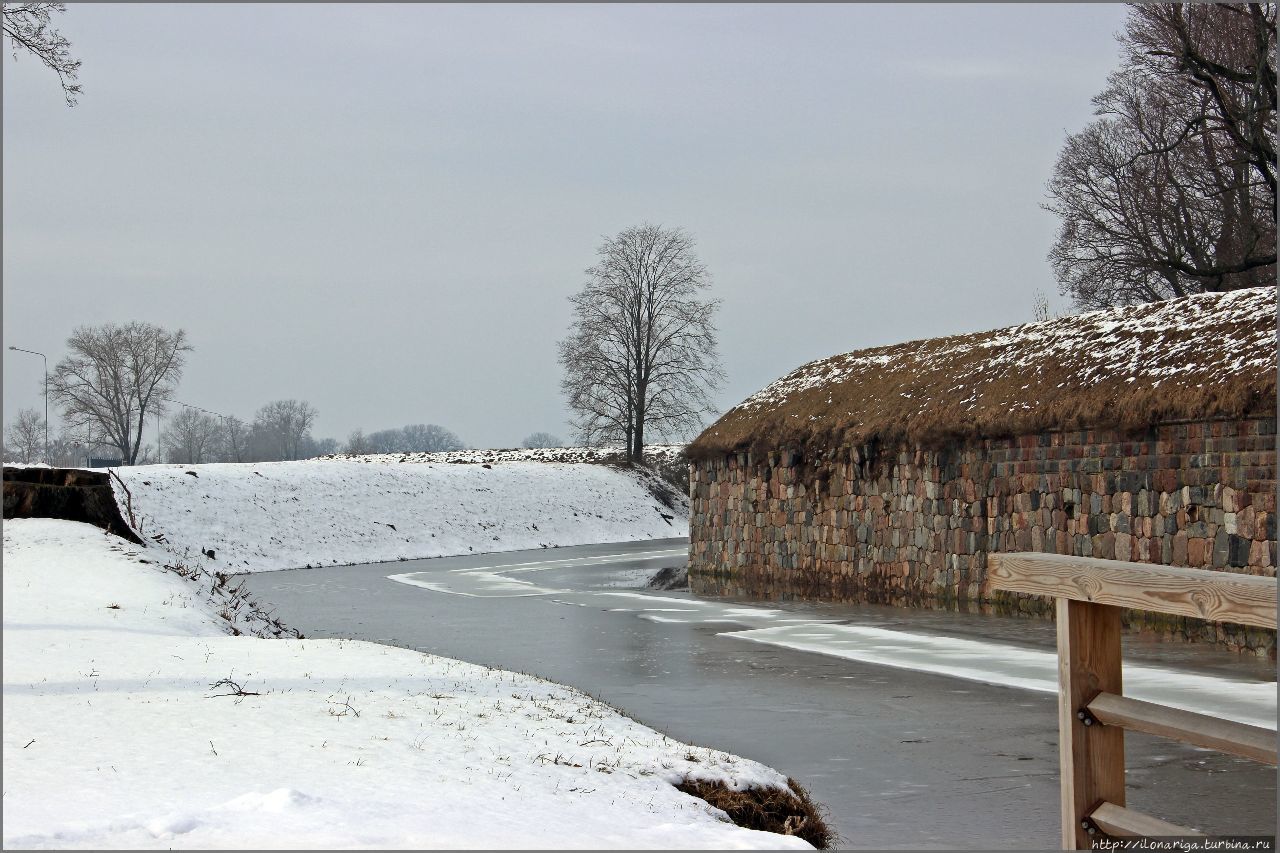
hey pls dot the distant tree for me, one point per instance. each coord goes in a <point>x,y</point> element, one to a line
<point>429,438</point>
<point>281,430</point>
<point>191,437</point>
<point>65,451</point>
<point>1040,307</point>
<point>328,446</point>
<point>1172,190</point>
<point>73,447</point>
<point>70,449</point>
<point>24,439</point>
<point>28,28</point>
<point>358,443</point>
<point>641,352</point>
<point>233,440</point>
<point>313,447</point>
<point>414,438</point>
<point>114,377</point>
<point>386,441</point>
<point>542,439</point>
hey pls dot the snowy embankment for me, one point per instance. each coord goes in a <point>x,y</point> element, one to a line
<point>122,728</point>
<point>365,509</point>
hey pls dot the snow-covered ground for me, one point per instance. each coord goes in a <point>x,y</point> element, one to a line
<point>117,733</point>
<point>278,515</point>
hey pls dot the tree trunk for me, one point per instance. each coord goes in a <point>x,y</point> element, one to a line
<point>630,427</point>
<point>636,451</point>
<point>131,453</point>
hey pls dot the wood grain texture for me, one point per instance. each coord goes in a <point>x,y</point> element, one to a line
<point>1253,742</point>
<point>1126,823</point>
<point>1212,595</point>
<point>1091,758</point>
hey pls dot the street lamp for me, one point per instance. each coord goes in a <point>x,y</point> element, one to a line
<point>47,460</point>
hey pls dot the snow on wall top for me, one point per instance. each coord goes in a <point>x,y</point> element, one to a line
<point>1203,356</point>
<point>653,453</point>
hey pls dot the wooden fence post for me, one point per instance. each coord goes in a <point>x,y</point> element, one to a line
<point>1091,756</point>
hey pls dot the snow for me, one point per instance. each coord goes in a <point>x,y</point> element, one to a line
<point>116,737</point>
<point>278,515</point>
<point>1251,702</point>
<point>654,454</point>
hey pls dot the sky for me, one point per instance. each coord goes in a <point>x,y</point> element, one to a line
<point>383,209</point>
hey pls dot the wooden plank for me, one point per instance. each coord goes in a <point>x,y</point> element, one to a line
<point>1091,758</point>
<point>1247,741</point>
<point>1217,596</point>
<point>1126,823</point>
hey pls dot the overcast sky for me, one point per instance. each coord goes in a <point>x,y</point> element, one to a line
<point>382,209</point>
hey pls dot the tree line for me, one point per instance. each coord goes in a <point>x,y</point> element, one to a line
<point>119,379</point>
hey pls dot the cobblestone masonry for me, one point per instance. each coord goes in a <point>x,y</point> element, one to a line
<point>912,526</point>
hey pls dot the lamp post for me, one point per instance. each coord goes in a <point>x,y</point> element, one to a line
<point>47,461</point>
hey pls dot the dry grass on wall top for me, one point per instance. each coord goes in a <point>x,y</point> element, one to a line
<point>1201,357</point>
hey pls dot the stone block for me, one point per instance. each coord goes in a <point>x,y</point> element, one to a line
<point>1260,554</point>
<point>1239,551</point>
<point>1123,546</point>
<point>1220,549</point>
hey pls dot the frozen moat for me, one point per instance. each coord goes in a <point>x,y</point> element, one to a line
<point>916,728</point>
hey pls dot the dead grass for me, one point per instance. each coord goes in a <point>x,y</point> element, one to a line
<point>1203,357</point>
<point>790,812</point>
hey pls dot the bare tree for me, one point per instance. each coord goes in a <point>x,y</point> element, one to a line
<point>414,438</point>
<point>29,29</point>
<point>281,430</point>
<point>1171,191</point>
<point>320,447</point>
<point>233,440</point>
<point>191,437</point>
<point>358,442</point>
<point>114,377</point>
<point>430,438</point>
<point>386,441</point>
<point>24,439</point>
<point>70,449</point>
<point>542,439</point>
<point>641,352</point>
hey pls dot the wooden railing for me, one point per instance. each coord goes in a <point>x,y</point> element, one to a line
<point>1093,711</point>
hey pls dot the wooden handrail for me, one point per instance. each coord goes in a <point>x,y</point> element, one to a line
<point>1200,593</point>
<point>1253,742</point>
<point>1090,594</point>
<point>1126,823</point>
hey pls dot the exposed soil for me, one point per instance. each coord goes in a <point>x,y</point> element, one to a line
<point>70,493</point>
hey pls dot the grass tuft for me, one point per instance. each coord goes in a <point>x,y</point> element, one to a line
<point>787,812</point>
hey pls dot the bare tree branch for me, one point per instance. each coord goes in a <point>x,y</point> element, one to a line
<point>28,27</point>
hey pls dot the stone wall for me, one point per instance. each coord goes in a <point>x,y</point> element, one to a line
<point>912,526</point>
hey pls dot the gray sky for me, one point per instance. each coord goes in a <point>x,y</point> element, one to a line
<point>382,209</point>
